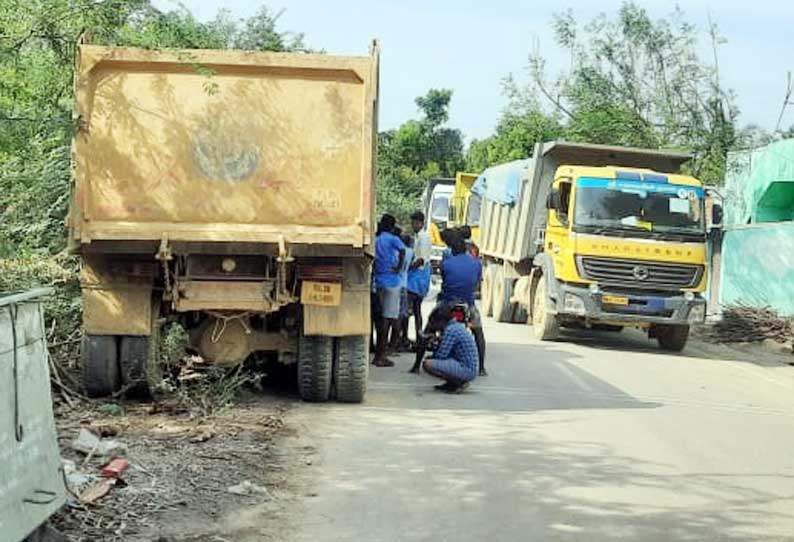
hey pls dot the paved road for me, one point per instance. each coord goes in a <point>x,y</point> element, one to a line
<point>603,438</point>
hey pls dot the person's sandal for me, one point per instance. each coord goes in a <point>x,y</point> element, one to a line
<point>384,363</point>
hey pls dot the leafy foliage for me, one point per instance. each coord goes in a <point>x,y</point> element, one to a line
<point>416,151</point>
<point>632,81</point>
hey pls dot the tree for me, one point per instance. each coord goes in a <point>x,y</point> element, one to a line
<point>639,82</point>
<point>521,125</point>
<point>416,151</point>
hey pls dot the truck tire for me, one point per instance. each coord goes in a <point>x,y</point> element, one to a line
<point>351,368</point>
<point>672,337</point>
<point>101,375</point>
<point>135,355</point>
<point>315,367</point>
<point>502,292</point>
<point>545,326</point>
<point>486,290</point>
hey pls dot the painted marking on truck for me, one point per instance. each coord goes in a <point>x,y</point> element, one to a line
<point>326,199</point>
<point>274,184</point>
<point>225,159</point>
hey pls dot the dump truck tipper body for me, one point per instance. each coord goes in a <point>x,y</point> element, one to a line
<point>597,236</point>
<point>227,190</point>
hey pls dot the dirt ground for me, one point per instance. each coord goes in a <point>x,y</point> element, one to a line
<point>181,468</point>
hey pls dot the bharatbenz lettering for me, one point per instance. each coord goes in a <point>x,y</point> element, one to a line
<point>575,238</point>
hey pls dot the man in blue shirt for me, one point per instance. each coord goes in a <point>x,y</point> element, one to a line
<point>460,275</point>
<point>455,361</point>
<point>389,256</point>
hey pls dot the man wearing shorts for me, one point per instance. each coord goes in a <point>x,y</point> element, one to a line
<point>389,256</point>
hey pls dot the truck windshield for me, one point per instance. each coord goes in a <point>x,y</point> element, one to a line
<point>639,205</point>
<point>440,208</point>
<point>473,213</point>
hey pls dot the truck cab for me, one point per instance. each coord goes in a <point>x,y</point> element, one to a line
<point>624,246</point>
<point>437,211</point>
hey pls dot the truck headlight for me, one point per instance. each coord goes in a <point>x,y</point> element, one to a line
<point>573,304</point>
<point>697,314</point>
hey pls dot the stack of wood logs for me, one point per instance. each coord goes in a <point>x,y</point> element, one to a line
<point>742,323</point>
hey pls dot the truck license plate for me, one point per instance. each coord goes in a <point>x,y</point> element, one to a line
<point>615,300</point>
<point>325,294</point>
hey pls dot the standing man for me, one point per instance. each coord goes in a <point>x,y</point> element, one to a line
<point>389,256</point>
<point>460,277</point>
<point>420,270</point>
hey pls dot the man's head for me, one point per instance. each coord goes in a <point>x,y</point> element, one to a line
<point>418,221</point>
<point>449,236</point>
<point>453,239</point>
<point>465,232</point>
<point>387,223</point>
<point>445,313</point>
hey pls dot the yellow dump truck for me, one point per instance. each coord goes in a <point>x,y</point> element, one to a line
<point>232,192</point>
<point>466,205</point>
<point>594,236</point>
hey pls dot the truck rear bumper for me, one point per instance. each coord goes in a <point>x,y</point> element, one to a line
<point>641,308</point>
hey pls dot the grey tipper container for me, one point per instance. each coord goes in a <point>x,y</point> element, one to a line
<point>31,482</point>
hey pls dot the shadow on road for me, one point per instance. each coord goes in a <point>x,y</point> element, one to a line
<point>476,476</point>
<point>523,377</point>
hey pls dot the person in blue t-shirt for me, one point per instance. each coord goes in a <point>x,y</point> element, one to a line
<point>460,277</point>
<point>389,256</point>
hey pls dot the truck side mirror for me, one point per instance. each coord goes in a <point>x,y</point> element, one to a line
<point>716,215</point>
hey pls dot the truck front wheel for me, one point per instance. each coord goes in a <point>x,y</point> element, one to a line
<point>671,337</point>
<point>315,360</point>
<point>351,368</point>
<point>545,326</point>
<point>101,375</point>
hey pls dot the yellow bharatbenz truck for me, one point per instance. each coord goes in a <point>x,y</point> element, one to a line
<point>586,235</point>
<point>231,192</point>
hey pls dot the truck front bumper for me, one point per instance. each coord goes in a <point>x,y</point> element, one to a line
<point>581,302</point>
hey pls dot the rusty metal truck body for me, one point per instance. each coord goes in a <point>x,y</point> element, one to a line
<point>232,191</point>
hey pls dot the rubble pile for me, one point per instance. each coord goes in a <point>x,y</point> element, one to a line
<point>742,323</point>
<point>148,470</point>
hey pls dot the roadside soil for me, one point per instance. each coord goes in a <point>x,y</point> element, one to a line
<point>182,466</point>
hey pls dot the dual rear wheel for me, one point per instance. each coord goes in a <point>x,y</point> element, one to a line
<point>331,367</point>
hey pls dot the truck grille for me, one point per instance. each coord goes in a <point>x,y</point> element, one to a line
<point>640,273</point>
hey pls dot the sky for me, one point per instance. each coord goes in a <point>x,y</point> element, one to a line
<point>471,46</point>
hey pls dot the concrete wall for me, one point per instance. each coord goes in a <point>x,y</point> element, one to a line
<point>758,266</point>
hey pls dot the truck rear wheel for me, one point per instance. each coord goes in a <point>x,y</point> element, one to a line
<point>351,368</point>
<point>315,360</point>
<point>545,326</point>
<point>672,337</point>
<point>486,290</point>
<point>502,292</point>
<point>101,375</point>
